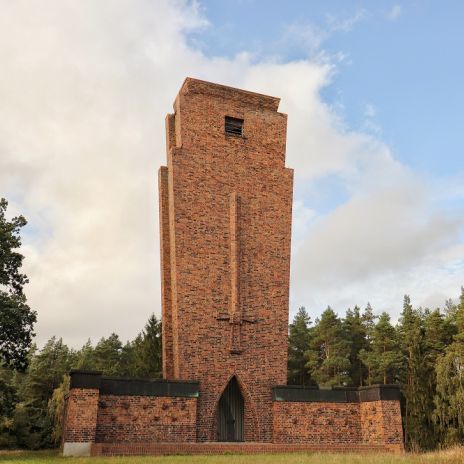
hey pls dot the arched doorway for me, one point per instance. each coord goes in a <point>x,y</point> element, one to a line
<point>231,409</point>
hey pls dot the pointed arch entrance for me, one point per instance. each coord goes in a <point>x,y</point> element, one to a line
<point>231,413</point>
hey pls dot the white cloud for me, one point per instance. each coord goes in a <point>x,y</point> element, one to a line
<point>394,13</point>
<point>84,89</point>
<point>370,111</point>
<point>346,24</point>
<point>311,37</point>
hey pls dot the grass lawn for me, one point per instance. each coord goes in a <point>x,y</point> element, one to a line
<point>454,456</point>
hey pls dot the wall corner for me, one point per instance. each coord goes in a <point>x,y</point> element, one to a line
<point>80,423</point>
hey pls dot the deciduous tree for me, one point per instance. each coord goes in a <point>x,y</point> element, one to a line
<point>16,318</point>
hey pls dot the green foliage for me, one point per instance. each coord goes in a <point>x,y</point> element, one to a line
<point>298,342</point>
<point>416,378</point>
<point>32,402</point>
<point>8,401</point>
<point>16,318</point>
<point>56,409</point>
<point>328,356</point>
<point>107,355</point>
<point>33,424</point>
<point>356,329</point>
<point>382,357</point>
<point>424,354</point>
<point>11,260</point>
<point>148,349</point>
<point>449,397</point>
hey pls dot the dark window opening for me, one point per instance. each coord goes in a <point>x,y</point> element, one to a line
<point>234,126</point>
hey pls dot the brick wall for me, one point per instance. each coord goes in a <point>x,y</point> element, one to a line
<point>317,423</point>
<point>146,419</point>
<point>375,424</point>
<point>210,312</point>
<point>215,448</point>
<point>81,415</point>
<point>381,423</point>
<point>103,409</point>
<point>225,219</point>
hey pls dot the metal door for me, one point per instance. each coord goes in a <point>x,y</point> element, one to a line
<point>231,413</point>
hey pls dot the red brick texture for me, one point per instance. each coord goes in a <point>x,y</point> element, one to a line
<point>135,419</point>
<point>226,287</point>
<point>375,423</point>
<point>121,423</point>
<point>165,261</point>
<point>81,415</point>
<point>381,423</point>
<point>127,449</point>
<point>225,206</point>
<point>316,423</point>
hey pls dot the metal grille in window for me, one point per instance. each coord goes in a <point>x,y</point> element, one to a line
<point>234,126</point>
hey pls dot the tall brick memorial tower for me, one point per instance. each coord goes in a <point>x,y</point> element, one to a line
<point>225,215</point>
<point>225,206</point>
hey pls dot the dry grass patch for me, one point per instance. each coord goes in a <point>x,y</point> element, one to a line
<point>451,456</point>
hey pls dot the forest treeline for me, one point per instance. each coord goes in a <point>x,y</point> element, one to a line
<point>32,400</point>
<point>423,353</point>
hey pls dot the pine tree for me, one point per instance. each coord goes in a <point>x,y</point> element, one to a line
<point>415,381</point>
<point>356,333</point>
<point>449,398</point>
<point>298,343</point>
<point>149,349</point>
<point>328,358</point>
<point>33,425</point>
<point>383,358</point>
<point>85,358</point>
<point>438,335</point>
<point>368,321</point>
<point>107,355</point>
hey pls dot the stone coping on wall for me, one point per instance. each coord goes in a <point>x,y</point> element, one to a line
<point>296,393</point>
<point>191,85</point>
<point>133,386</point>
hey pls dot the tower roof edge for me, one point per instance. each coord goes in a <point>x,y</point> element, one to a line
<point>192,85</point>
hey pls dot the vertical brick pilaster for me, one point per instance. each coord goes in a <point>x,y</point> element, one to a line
<point>381,424</point>
<point>392,425</point>
<point>81,412</point>
<point>165,259</point>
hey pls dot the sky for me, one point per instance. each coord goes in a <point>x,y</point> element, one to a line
<point>373,93</point>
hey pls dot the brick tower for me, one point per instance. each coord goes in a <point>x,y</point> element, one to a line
<point>225,219</point>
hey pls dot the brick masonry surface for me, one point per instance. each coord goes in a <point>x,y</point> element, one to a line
<point>225,207</point>
<point>225,269</point>
<point>81,415</point>
<point>381,423</point>
<point>375,423</point>
<point>145,419</point>
<point>126,449</point>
